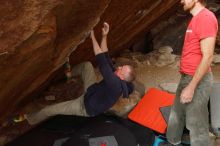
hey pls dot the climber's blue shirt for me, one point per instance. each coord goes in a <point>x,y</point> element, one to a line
<point>103,95</point>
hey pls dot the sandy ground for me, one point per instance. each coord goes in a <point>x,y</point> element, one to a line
<point>152,76</point>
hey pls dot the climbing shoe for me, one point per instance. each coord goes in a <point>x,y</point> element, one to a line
<point>18,118</point>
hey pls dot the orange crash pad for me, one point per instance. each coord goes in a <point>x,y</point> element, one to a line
<point>147,111</point>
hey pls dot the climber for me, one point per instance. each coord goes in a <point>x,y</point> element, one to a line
<point>98,97</point>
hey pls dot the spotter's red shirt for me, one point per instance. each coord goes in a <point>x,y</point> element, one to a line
<point>201,26</point>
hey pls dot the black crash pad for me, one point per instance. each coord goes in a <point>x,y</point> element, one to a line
<point>74,130</point>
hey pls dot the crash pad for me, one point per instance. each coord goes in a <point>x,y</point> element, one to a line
<point>147,111</point>
<point>69,130</point>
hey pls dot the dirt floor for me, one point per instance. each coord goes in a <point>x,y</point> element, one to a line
<point>152,76</point>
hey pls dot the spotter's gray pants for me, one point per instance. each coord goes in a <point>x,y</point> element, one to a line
<point>194,114</point>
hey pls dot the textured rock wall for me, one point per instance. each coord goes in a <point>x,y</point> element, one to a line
<point>129,21</point>
<point>35,38</point>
